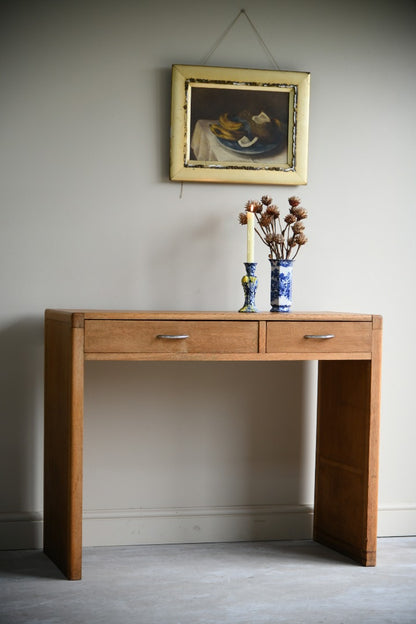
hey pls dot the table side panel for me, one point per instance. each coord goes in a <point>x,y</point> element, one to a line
<point>374,437</point>
<point>63,426</point>
<point>341,518</point>
<point>347,454</point>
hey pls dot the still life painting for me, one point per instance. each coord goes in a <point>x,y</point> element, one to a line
<point>239,125</point>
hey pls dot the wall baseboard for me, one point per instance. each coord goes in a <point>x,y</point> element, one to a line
<point>201,524</point>
<point>21,530</point>
<point>396,520</point>
<point>192,525</point>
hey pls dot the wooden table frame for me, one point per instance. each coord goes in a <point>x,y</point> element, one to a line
<point>348,347</point>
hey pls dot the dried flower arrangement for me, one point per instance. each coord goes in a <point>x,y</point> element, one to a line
<point>280,239</point>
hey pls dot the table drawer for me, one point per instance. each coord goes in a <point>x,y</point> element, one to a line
<point>318,337</point>
<point>103,336</point>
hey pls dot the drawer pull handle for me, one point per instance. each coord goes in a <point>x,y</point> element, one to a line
<point>319,336</point>
<point>173,336</point>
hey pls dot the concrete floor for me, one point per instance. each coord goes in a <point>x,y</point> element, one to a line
<point>238,583</point>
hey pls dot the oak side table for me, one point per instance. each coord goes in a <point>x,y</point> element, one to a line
<point>347,346</point>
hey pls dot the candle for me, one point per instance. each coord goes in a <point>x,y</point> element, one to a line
<point>250,236</point>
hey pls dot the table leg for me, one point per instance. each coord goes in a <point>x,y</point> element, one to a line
<point>347,458</point>
<point>64,379</point>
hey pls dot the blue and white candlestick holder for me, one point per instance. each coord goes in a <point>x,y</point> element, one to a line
<point>249,282</point>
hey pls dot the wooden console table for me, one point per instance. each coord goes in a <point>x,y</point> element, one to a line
<point>348,347</point>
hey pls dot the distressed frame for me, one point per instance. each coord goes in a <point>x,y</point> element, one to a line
<point>213,84</point>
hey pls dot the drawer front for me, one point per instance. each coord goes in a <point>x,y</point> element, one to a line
<point>318,337</point>
<point>103,336</point>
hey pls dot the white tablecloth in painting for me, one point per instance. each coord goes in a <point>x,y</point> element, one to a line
<point>206,147</point>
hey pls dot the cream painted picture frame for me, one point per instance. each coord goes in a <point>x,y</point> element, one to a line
<point>233,125</point>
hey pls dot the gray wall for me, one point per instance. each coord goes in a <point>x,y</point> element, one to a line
<point>188,452</point>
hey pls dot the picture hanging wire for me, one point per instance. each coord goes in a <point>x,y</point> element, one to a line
<point>222,37</point>
<point>227,30</point>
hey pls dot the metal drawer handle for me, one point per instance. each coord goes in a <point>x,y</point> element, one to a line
<point>319,336</point>
<point>173,336</point>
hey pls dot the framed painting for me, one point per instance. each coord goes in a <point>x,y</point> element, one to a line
<point>247,126</point>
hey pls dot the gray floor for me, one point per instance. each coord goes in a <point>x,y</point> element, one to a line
<point>243,583</point>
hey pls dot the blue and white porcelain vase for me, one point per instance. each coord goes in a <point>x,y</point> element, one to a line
<point>249,283</point>
<point>281,285</point>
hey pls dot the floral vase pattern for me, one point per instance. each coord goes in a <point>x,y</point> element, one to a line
<point>249,283</point>
<point>281,285</point>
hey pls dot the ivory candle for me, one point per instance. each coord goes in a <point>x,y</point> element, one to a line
<point>250,236</point>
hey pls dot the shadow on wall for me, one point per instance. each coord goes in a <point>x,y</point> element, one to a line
<point>164,95</point>
<point>21,429</point>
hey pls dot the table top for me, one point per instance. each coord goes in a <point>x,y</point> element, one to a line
<point>77,316</point>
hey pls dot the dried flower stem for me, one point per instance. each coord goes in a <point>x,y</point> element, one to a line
<point>281,239</point>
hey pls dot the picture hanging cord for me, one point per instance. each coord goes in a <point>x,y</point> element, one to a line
<point>227,30</point>
<point>222,37</point>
